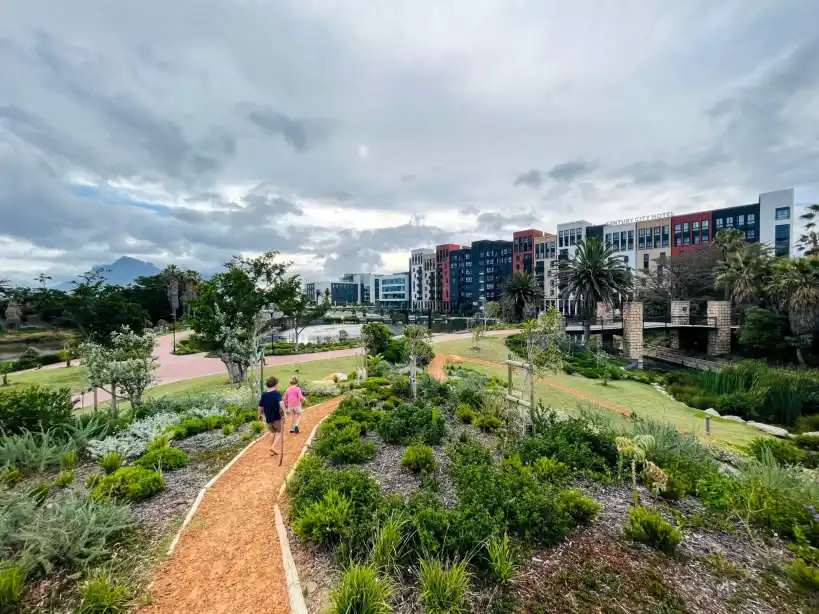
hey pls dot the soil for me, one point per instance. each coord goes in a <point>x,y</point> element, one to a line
<point>228,560</point>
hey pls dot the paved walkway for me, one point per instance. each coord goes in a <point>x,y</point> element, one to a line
<point>228,560</point>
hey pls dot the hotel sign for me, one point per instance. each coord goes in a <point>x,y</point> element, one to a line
<point>634,220</point>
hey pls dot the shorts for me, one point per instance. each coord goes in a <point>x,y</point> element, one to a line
<point>297,409</point>
<point>275,426</point>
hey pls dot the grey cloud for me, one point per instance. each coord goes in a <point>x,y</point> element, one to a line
<point>532,178</point>
<point>408,177</point>
<point>349,259</point>
<point>499,224</point>
<point>567,171</point>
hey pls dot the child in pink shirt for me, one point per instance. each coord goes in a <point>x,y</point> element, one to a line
<point>293,398</point>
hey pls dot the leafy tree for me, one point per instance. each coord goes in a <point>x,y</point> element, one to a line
<point>688,277</point>
<point>300,309</point>
<point>375,336</point>
<point>743,272</point>
<point>794,287</point>
<point>42,278</point>
<point>521,294</point>
<point>190,283</point>
<point>127,366</point>
<point>594,275</point>
<point>415,336</point>
<point>492,309</point>
<point>809,243</point>
<point>99,310</point>
<point>762,331</point>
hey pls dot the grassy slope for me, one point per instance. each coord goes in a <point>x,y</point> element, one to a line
<point>61,377</point>
<point>639,398</point>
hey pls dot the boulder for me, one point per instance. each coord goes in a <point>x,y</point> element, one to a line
<point>733,419</point>
<point>776,431</point>
<point>811,434</point>
<point>712,412</point>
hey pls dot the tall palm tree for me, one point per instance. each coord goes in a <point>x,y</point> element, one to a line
<point>743,272</point>
<point>190,281</point>
<point>595,275</point>
<point>520,292</point>
<point>811,215</point>
<point>729,241</point>
<point>794,286</point>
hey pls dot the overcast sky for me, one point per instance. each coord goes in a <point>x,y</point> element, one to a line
<point>345,133</point>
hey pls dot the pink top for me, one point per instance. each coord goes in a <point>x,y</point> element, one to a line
<point>293,397</point>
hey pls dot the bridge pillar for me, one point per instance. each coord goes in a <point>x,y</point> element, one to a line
<point>680,314</point>
<point>719,338</point>
<point>633,332</point>
<point>605,313</point>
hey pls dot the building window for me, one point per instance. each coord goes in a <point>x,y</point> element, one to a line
<point>782,240</point>
<point>729,221</point>
<point>740,220</point>
<point>677,234</point>
<point>630,240</point>
<point>616,241</point>
<point>560,238</point>
<point>720,222</point>
<point>649,242</point>
<point>571,236</point>
<point>645,261</point>
<point>705,238</point>
<point>750,235</point>
<point>623,240</point>
<point>665,236</point>
<point>751,219</point>
<point>783,213</point>
<point>641,238</point>
<point>608,239</point>
<point>686,234</point>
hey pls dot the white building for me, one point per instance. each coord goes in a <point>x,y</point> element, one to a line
<point>776,213</point>
<point>394,291</point>
<point>568,235</point>
<point>622,238</point>
<point>416,272</point>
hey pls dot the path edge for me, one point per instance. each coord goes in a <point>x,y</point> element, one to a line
<point>310,439</point>
<point>294,592</point>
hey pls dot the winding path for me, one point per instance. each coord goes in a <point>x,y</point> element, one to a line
<point>228,560</point>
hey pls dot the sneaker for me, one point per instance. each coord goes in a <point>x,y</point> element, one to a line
<point>296,429</point>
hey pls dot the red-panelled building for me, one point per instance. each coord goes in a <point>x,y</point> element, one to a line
<point>442,263</point>
<point>690,232</point>
<point>523,250</point>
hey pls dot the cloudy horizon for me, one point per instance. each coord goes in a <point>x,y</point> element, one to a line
<point>345,133</point>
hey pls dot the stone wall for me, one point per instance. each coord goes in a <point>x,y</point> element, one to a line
<point>680,314</point>
<point>633,331</point>
<point>719,339</point>
<point>667,355</point>
<point>605,313</point>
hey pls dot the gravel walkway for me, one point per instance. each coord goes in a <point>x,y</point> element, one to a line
<point>228,561</point>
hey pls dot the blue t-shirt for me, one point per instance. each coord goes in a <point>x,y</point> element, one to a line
<point>271,405</point>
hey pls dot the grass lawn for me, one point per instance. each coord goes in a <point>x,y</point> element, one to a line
<point>641,399</point>
<point>61,377</point>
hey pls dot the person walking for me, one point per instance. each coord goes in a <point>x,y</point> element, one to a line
<point>270,406</point>
<point>293,399</point>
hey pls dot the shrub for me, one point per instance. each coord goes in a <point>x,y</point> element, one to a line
<point>501,556</point>
<point>228,429</point>
<point>401,387</point>
<point>102,594</point>
<point>340,441</point>
<point>783,451</point>
<point>12,581</point>
<point>375,336</point>
<point>132,441</point>
<point>419,458</point>
<point>163,459</point>
<point>193,426</point>
<point>68,461</point>
<point>548,469</point>
<point>64,479</point>
<point>10,477</point>
<point>39,492</point>
<point>743,404</point>
<point>649,527</point>
<point>36,408</point>
<point>487,423</point>
<point>132,484</point>
<point>215,421</point>
<point>361,591</point>
<point>246,437</point>
<point>572,442</point>
<point>443,590</point>
<point>94,479</point>
<point>325,522</point>
<point>808,424</point>
<point>434,430</point>
<point>257,426</point>
<point>111,461</point>
<point>804,577</point>
<point>387,544</point>
<point>581,508</point>
<point>465,413</point>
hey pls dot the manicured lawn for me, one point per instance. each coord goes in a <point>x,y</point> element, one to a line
<point>61,377</point>
<point>639,398</point>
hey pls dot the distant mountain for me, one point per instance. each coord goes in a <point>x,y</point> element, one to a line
<point>120,272</point>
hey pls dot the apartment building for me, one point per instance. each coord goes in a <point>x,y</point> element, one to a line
<point>394,291</point>
<point>460,280</point>
<point>428,282</point>
<point>416,272</point>
<point>492,263</point>
<point>653,241</point>
<point>568,235</point>
<point>442,278</point>
<point>546,267</point>
<point>523,249</point>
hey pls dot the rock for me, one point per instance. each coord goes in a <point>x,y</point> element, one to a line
<point>733,419</point>
<point>712,412</point>
<point>308,588</point>
<point>811,434</point>
<point>770,429</point>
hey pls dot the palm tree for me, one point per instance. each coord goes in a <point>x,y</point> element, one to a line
<point>744,271</point>
<point>808,243</point>
<point>42,278</point>
<point>729,241</point>
<point>595,275</point>
<point>811,213</point>
<point>794,286</point>
<point>520,292</point>
<point>190,281</point>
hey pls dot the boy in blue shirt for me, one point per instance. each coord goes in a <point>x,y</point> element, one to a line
<point>270,406</point>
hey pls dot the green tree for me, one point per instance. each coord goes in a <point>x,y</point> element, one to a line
<point>761,332</point>
<point>521,294</point>
<point>300,309</point>
<point>809,243</point>
<point>98,310</point>
<point>743,272</point>
<point>492,309</point>
<point>794,287</point>
<point>375,337</point>
<point>595,275</point>
<point>42,278</point>
<point>416,337</point>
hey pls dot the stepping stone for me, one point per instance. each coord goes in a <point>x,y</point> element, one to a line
<point>712,412</point>
<point>770,429</point>
<point>733,419</point>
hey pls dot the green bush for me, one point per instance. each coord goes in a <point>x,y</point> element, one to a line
<point>387,544</point>
<point>783,451</point>
<point>376,382</point>
<point>434,430</point>
<point>10,477</point>
<point>163,459</point>
<point>501,556</point>
<point>64,479</point>
<point>192,426</point>
<point>581,508</point>
<point>326,521</point>
<point>465,413</point>
<point>487,423</point>
<point>111,461</point>
<point>36,408</point>
<point>407,421</point>
<point>742,404</point>
<point>339,440</point>
<point>649,527</point>
<point>804,577</point>
<point>361,591</point>
<point>419,458</point>
<point>102,594</point>
<point>808,424</point>
<point>401,387</point>
<point>94,479</point>
<point>443,591</point>
<point>39,492</point>
<point>132,484</point>
<point>214,422</point>
<point>68,461</point>
<point>573,443</point>
<point>228,429</point>
<point>548,469</point>
<point>246,437</point>
<point>12,582</point>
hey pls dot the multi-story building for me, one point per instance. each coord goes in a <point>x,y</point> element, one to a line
<point>442,289</point>
<point>621,236</point>
<point>568,235</point>
<point>523,249</point>
<point>491,267</point>
<point>653,241</point>
<point>394,291</point>
<point>428,282</point>
<point>367,286</point>
<point>417,276</point>
<point>337,292</point>
<point>460,280</point>
<point>546,267</point>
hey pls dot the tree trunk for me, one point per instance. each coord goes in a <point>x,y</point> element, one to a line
<point>587,332</point>
<point>5,379</point>
<point>800,357</point>
<point>114,406</point>
<point>296,344</point>
<point>96,404</point>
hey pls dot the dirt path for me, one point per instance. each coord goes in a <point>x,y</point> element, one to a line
<point>228,561</point>
<point>436,370</point>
